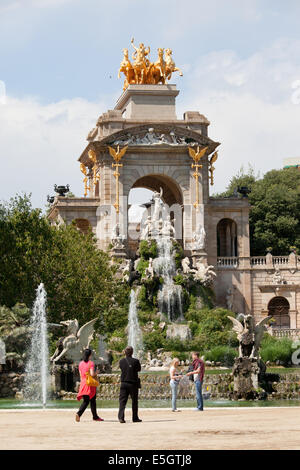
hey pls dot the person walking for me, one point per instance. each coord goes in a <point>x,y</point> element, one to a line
<point>174,381</point>
<point>198,373</point>
<point>130,384</point>
<point>87,392</point>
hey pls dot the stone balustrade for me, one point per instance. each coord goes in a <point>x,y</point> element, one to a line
<point>260,262</point>
<point>227,262</point>
<point>285,332</point>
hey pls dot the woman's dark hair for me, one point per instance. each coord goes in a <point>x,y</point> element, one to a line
<point>86,355</point>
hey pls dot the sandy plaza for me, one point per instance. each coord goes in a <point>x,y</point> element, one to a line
<point>214,429</point>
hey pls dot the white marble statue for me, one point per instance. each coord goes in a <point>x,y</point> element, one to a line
<point>277,277</point>
<point>167,229</point>
<point>147,228</point>
<point>229,298</point>
<point>117,239</point>
<point>149,271</point>
<point>75,342</point>
<point>185,263</point>
<point>199,238</point>
<point>204,273</point>
<point>126,269</point>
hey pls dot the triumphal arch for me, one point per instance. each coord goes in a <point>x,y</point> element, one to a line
<point>142,144</point>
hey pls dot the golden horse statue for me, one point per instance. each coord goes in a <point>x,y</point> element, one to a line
<point>142,71</point>
<point>127,68</point>
<point>170,65</point>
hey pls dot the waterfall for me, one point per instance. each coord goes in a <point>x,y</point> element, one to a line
<point>135,336</point>
<point>37,370</point>
<point>170,295</point>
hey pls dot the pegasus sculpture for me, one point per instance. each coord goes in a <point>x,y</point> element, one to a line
<point>77,339</point>
<point>249,334</point>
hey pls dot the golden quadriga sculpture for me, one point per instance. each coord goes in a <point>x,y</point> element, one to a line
<point>142,71</point>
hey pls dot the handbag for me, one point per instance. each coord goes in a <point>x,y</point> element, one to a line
<point>91,381</point>
<point>190,369</point>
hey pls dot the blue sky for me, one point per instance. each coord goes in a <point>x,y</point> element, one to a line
<point>59,63</point>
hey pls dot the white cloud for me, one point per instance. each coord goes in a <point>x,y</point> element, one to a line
<point>40,145</point>
<point>252,106</point>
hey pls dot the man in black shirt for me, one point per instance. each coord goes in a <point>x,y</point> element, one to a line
<point>130,368</point>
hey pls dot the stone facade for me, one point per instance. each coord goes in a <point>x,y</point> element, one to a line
<point>157,156</point>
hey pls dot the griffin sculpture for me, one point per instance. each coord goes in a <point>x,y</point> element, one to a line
<point>78,339</point>
<point>249,334</point>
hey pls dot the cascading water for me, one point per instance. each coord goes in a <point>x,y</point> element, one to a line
<point>37,370</point>
<point>135,336</point>
<point>170,295</point>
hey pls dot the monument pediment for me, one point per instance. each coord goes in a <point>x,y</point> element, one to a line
<point>156,136</point>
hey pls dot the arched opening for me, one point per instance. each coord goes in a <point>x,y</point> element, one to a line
<point>279,308</point>
<point>227,237</point>
<point>139,199</point>
<point>83,225</point>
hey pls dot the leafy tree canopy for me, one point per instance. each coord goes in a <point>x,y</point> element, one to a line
<point>78,277</point>
<point>275,209</point>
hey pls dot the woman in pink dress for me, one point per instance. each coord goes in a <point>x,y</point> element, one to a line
<point>87,392</point>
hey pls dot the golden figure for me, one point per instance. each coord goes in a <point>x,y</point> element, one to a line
<point>142,71</point>
<point>141,63</point>
<point>211,168</point>
<point>170,65</point>
<point>157,71</point>
<point>128,70</point>
<point>117,155</point>
<point>93,157</point>
<point>83,169</point>
<point>196,156</point>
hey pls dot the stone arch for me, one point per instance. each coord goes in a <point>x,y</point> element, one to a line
<point>83,225</point>
<point>177,180</point>
<point>171,191</point>
<point>279,308</point>
<point>227,237</point>
<point>172,197</point>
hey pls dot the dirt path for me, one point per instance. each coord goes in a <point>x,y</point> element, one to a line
<point>259,428</point>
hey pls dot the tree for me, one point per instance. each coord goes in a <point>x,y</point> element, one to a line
<point>275,209</point>
<point>79,279</point>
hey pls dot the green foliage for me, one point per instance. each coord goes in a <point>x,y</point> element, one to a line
<point>178,279</point>
<point>142,265</point>
<point>223,354</point>
<point>154,340</point>
<point>178,255</point>
<point>181,355</point>
<point>77,276</point>
<point>148,249</point>
<point>203,293</point>
<point>273,349</point>
<point>210,327</point>
<point>275,209</point>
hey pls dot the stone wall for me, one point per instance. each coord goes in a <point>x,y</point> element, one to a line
<point>218,386</point>
<point>10,384</point>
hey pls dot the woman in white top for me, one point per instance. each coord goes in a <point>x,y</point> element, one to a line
<point>174,381</point>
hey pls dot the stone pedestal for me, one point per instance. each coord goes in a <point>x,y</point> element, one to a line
<point>119,252</point>
<point>199,255</point>
<point>182,332</point>
<point>148,102</point>
<point>245,376</point>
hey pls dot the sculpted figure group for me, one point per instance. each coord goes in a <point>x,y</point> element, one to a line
<point>142,71</point>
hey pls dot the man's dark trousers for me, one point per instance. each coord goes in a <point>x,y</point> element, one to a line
<point>127,389</point>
